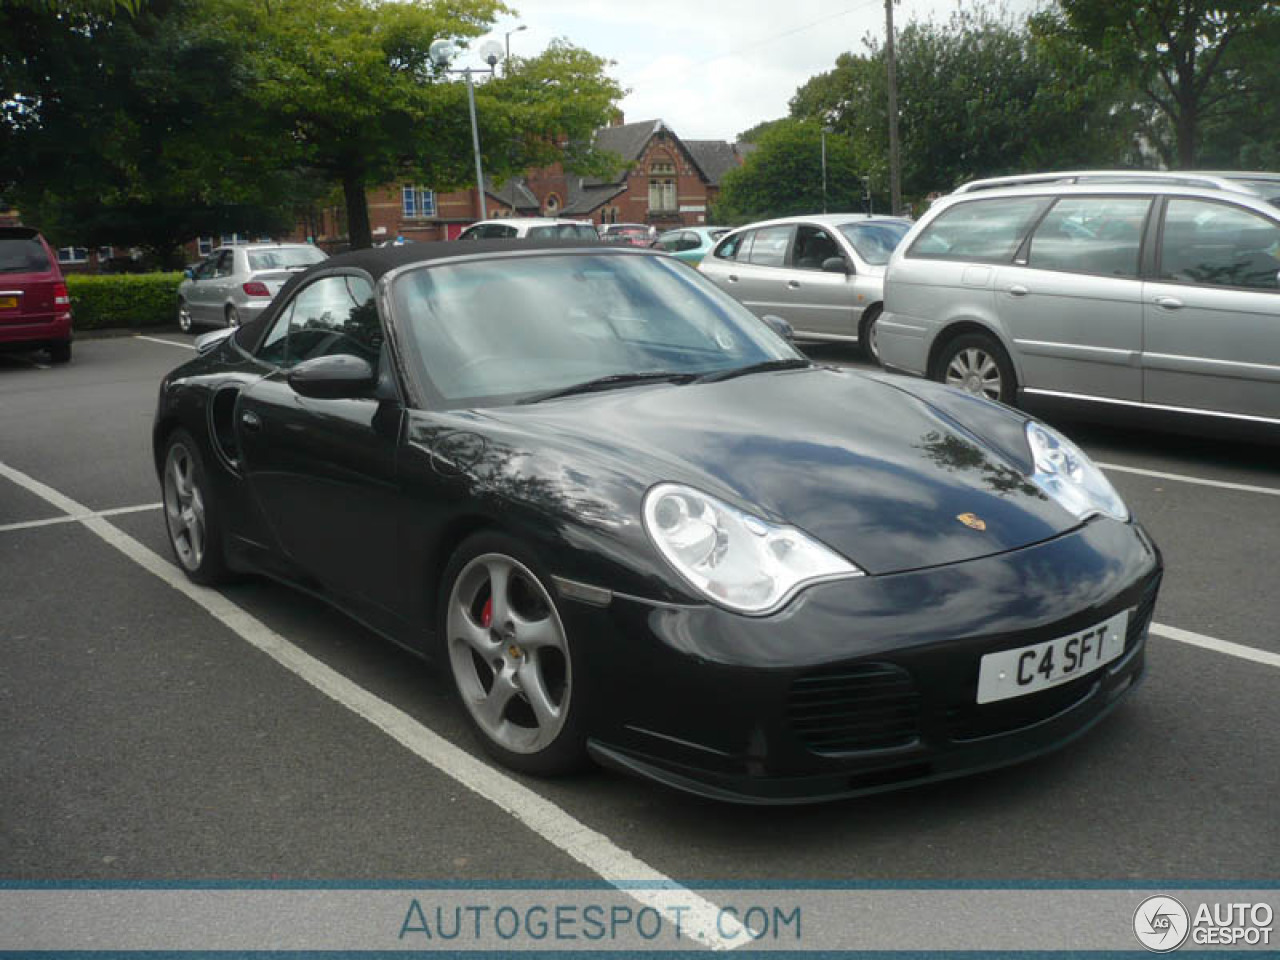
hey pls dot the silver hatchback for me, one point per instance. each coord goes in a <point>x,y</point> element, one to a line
<point>823,274</point>
<point>1146,295</point>
<point>235,284</point>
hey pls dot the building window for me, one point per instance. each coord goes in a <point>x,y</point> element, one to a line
<point>552,204</point>
<point>662,196</point>
<point>662,168</point>
<point>204,246</point>
<point>73,254</point>
<point>105,254</point>
<point>417,202</point>
<point>233,239</point>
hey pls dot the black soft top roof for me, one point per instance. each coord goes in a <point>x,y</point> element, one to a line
<point>382,260</point>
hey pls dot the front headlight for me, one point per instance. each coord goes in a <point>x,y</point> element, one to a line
<point>1064,472</point>
<point>731,557</point>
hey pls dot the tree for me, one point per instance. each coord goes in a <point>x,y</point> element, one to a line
<point>783,176</point>
<point>978,95</point>
<point>351,84</point>
<point>130,129</point>
<point>1182,55</point>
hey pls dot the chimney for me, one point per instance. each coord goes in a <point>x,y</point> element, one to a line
<point>618,119</point>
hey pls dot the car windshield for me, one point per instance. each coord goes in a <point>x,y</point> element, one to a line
<point>569,231</point>
<point>875,242</point>
<point>284,258</point>
<point>502,329</point>
<point>628,232</point>
<point>22,255</point>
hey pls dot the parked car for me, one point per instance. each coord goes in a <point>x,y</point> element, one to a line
<point>35,309</point>
<point>1155,297</point>
<point>234,284</point>
<point>629,234</point>
<point>530,228</point>
<point>823,274</point>
<point>690,244</point>
<point>634,524</point>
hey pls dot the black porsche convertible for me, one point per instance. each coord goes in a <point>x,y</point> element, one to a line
<point>636,525</point>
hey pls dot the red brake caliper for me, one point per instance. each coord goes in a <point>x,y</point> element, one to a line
<point>486,615</point>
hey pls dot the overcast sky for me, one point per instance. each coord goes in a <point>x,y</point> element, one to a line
<point>713,68</point>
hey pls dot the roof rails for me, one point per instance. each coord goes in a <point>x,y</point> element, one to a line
<point>1212,181</point>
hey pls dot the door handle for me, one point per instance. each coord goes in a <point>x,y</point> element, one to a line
<point>251,420</point>
<point>1018,290</point>
<point>1169,303</point>
<point>733,278</point>
<point>793,284</point>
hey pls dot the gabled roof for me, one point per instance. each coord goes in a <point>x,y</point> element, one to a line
<point>513,189</point>
<point>714,158</point>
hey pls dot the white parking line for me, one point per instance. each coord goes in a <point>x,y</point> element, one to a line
<point>171,343</point>
<point>693,913</point>
<point>73,517</point>
<point>1199,481</point>
<point>1219,646</point>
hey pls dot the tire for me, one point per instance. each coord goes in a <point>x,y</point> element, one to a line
<point>867,334</point>
<point>517,675</point>
<point>233,316</point>
<point>191,513</point>
<point>184,316</point>
<point>976,363</point>
<point>60,352</point>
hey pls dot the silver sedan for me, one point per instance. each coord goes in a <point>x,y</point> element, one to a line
<point>234,284</point>
<point>823,274</point>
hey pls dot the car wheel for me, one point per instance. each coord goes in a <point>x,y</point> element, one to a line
<point>233,316</point>
<point>867,334</point>
<point>190,512</point>
<point>184,317</point>
<point>60,352</point>
<point>511,659</point>
<point>977,363</point>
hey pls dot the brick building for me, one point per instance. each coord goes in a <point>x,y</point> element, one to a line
<point>662,180</point>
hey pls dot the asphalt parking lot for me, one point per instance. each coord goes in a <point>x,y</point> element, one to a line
<point>147,738</point>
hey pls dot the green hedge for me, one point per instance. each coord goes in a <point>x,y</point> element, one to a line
<point>123,300</point>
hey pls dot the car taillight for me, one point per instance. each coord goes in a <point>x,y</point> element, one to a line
<point>60,296</point>
<point>256,289</point>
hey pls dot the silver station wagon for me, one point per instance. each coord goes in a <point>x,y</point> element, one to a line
<point>822,274</point>
<point>1156,296</point>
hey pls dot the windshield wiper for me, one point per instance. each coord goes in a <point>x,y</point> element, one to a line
<point>789,363</point>
<point>611,381</point>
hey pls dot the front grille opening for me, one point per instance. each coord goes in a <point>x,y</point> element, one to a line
<point>872,706</point>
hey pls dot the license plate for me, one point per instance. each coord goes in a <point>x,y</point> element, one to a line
<point>1016,673</point>
<point>8,303</point>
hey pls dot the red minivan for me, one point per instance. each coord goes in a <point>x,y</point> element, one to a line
<point>35,310</point>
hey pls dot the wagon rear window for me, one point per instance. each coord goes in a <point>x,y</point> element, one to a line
<point>22,255</point>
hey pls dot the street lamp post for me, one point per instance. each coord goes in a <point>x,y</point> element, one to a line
<point>441,51</point>
<point>506,63</point>
<point>825,131</point>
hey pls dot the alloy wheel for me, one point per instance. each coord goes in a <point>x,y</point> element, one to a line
<point>184,507</point>
<point>975,370</point>
<point>184,316</point>
<point>233,317</point>
<point>508,653</point>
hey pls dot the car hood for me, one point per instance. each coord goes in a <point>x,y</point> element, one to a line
<point>866,466</point>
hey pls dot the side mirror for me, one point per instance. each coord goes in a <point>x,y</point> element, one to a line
<point>189,273</point>
<point>780,327</point>
<point>337,377</point>
<point>208,341</point>
<point>836,265</point>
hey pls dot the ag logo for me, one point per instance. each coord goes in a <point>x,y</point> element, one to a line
<point>1161,924</point>
<point>972,521</point>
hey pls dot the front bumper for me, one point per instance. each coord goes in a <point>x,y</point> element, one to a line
<point>865,685</point>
